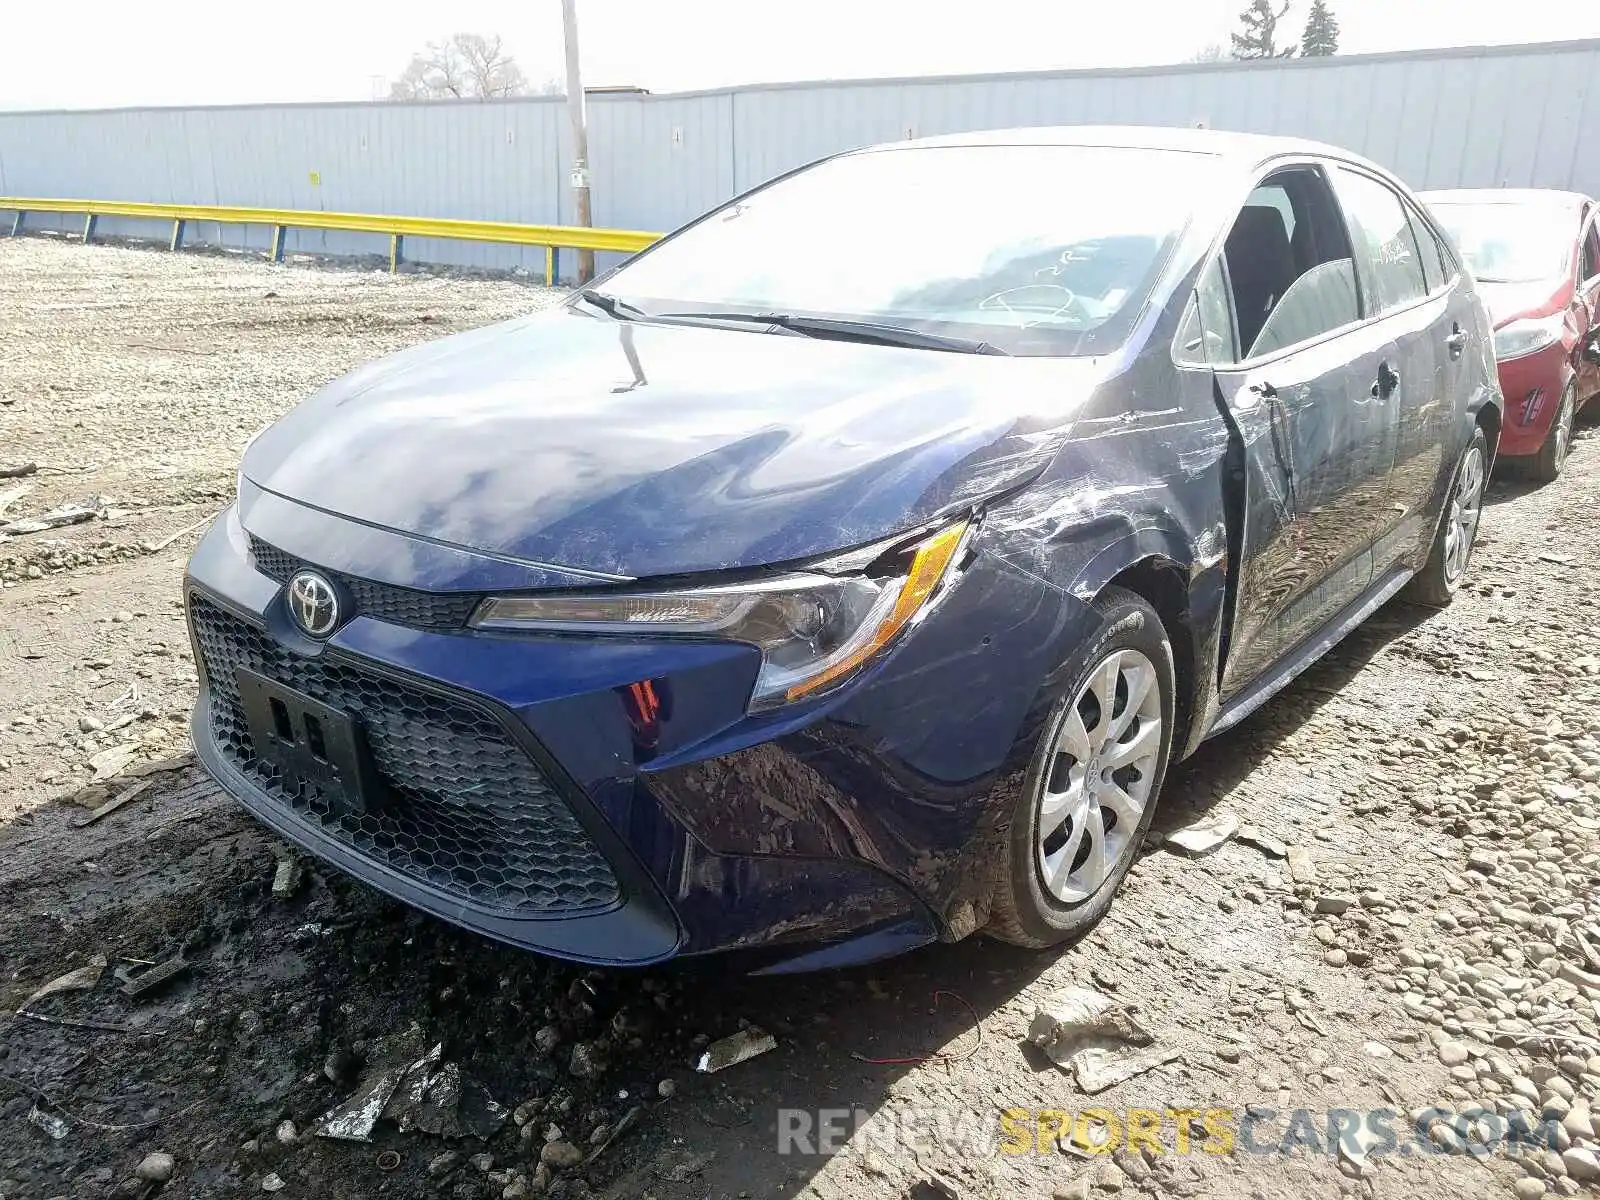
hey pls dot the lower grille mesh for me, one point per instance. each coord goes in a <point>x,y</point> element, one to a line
<point>467,811</point>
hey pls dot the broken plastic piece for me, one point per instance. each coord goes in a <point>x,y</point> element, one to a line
<point>416,1097</point>
<point>55,1128</point>
<point>81,980</point>
<point>137,984</point>
<point>730,1051</point>
<point>1204,837</point>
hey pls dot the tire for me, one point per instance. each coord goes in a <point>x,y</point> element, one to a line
<point>1545,466</point>
<point>1025,909</point>
<point>1436,584</point>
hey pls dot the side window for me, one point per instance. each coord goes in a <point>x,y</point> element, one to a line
<point>1289,269</point>
<point>1386,253</point>
<point>1434,268</point>
<point>1591,249</point>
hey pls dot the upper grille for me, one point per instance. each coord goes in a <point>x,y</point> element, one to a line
<point>397,605</point>
<point>466,810</point>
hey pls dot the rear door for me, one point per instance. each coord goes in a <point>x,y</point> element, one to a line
<point>1316,443</point>
<point>1413,389</point>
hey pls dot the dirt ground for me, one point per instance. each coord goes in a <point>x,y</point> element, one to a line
<point>1435,781</point>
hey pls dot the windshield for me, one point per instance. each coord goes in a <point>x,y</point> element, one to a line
<point>1510,243</point>
<point>1047,250</point>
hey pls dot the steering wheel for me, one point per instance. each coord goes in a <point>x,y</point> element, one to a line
<point>1046,301</point>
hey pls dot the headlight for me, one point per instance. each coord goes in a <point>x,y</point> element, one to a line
<point>1527,336</point>
<point>814,630</point>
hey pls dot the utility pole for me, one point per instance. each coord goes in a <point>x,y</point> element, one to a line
<point>580,133</point>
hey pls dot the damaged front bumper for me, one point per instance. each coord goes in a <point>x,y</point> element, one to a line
<point>526,796</point>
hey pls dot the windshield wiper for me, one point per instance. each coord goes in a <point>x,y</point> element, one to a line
<point>612,306</point>
<point>848,330</point>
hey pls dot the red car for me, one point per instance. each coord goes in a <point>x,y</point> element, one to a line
<point>1536,255</point>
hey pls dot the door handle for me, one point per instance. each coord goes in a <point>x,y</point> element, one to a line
<point>1383,387</point>
<point>1456,343</point>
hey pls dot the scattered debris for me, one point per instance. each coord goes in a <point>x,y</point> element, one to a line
<point>110,762</point>
<point>71,514</point>
<point>1264,842</point>
<point>287,878</point>
<point>139,983</point>
<point>54,1127</point>
<point>111,806</point>
<point>176,763</point>
<point>273,1183</point>
<point>157,546</point>
<point>155,1168</point>
<point>1301,868</point>
<point>419,1093</point>
<point>1096,1068</point>
<point>1204,837</point>
<point>81,980</point>
<point>977,1027</point>
<point>1075,1017</point>
<point>1560,560</point>
<point>18,470</point>
<point>1086,1033</point>
<point>560,1155</point>
<point>735,1049</point>
<point>11,495</point>
<point>628,1121</point>
<point>388,1161</point>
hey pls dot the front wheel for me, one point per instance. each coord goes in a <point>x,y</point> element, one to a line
<point>1090,790</point>
<point>1438,581</point>
<point>1552,456</point>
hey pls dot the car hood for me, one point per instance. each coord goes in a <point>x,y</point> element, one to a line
<point>640,450</point>
<point>1511,301</point>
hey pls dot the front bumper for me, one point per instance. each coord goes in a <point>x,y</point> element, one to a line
<point>533,802</point>
<point>1532,386</point>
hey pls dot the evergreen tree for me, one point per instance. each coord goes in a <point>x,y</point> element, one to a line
<point>1259,36</point>
<point>1321,38</point>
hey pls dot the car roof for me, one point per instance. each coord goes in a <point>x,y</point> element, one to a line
<point>1246,148</point>
<point>1503,196</point>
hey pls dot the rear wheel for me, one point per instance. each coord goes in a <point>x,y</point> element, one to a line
<point>1091,789</point>
<point>1546,465</point>
<point>1438,581</point>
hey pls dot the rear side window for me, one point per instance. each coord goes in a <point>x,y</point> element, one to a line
<point>1387,258</point>
<point>1435,270</point>
<point>1591,249</point>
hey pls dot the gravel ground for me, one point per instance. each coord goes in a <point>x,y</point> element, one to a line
<point>1435,783</point>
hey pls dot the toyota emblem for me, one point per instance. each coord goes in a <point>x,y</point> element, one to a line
<point>313,603</point>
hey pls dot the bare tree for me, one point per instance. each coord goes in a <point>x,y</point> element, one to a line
<point>465,66</point>
<point>1210,52</point>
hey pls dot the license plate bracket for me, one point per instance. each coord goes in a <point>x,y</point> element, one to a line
<point>315,747</point>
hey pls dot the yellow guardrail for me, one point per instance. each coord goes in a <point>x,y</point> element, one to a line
<point>552,237</point>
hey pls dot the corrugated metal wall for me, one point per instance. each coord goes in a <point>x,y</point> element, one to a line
<point>1512,116</point>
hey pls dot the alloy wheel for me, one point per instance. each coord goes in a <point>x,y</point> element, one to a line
<point>1562,433</point>
<point>1105,759</point>
<point>1466,508</point>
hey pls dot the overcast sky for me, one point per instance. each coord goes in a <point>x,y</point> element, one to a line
<point>189,52</point>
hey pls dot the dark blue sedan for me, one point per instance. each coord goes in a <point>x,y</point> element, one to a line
<point>843,573</point>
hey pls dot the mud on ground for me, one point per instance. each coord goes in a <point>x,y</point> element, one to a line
<point>1439,772</point>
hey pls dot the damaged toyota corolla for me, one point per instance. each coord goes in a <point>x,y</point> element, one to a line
<point>843,573</point>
